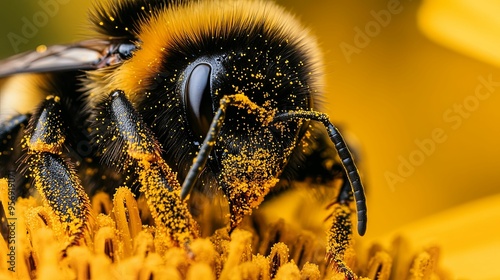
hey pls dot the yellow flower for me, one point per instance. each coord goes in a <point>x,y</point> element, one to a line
<point>118,246</point>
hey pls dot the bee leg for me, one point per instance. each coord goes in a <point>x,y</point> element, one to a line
<point>340,234</point>
<point>340,239</point>
<point>9,149</point>
<point>135,144</point>
<point>53,174</point>
<point>242,203</point>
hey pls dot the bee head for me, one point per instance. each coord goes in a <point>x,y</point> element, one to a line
<point>190,54</point>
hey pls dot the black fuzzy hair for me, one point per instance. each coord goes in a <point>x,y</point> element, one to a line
<point>120,19</point>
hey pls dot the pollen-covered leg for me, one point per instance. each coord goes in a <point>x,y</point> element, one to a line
<point>340,239</point>
<point>127,141</point>
<point>53,175</point>
<point>244,193</point>
<point>340,234</point>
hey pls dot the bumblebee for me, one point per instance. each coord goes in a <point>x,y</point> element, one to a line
<point>221,96</point>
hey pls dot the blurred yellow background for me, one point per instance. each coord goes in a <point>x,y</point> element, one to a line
<point>414,83</point>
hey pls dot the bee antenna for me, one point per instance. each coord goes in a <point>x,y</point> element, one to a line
<point>205,150</point>
<point>209,141</point>
<point>344,154</point>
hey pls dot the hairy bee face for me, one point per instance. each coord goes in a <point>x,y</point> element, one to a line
<point>188,55</point>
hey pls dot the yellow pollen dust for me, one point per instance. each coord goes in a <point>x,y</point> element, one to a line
<point>41,48</point>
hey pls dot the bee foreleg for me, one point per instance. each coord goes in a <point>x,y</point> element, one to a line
<point>340,233</point>
<point>53,174</point>
<point>340,239</point>
<point>136,144</point>
<point>237,100</point>
<point>244,200</point>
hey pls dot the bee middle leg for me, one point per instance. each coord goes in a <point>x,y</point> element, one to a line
<point>340,233</point>
<point>53,174</point>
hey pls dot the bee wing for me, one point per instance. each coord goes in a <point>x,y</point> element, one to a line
<point>83,55</point>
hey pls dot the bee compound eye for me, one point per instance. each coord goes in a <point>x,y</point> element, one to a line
<point>125,50</point>
<point>198,100</point>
